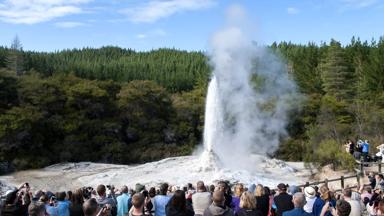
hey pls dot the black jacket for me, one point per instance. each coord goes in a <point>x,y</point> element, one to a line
<point>172,211</point>
<point>283,202</point>
<point>262,204</point>
<point>248,212</point>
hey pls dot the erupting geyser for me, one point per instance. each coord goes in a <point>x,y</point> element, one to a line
<point>247,102</point>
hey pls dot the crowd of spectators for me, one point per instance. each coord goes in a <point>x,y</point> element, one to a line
<point>222,198</point>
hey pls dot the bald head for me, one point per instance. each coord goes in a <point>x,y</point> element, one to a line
<point>299,200</point>
<point>218,197</point>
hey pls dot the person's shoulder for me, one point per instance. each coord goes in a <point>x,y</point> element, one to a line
<point>290,212</point>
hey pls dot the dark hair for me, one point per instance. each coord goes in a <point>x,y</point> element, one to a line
<point>200,186</point>
<point>347,192</point>
<point>10,198</point>
<point>90,207</point>
<point>61,196</point>
<point>178,200</point>
<point>343,208</point>
<point>267,191</point>
<point>100,190</point>
<point>163,189</point>
<point>190,186</point>
<point>77,197</point>
<point>152,192</point>
<point>36,208</point>
<point>69,194</point>
<point>44,198</point>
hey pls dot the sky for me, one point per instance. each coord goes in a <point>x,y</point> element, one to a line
<point>52,25</point>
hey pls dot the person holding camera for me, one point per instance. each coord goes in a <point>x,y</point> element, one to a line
<point>103,200</point>
<point>50,205</point>
<point>17,201</point>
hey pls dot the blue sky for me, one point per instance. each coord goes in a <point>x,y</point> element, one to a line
<point>49,25</point>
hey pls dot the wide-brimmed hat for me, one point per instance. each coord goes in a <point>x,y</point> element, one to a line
<point>309,192</point>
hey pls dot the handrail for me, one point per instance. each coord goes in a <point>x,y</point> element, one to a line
<point>326,181</point>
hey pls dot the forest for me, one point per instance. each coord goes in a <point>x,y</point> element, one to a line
<point>118,105</point>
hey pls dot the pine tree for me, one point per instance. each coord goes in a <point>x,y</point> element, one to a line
<point>336,75</point>
<point>15,57</point>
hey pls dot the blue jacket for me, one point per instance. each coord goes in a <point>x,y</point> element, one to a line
<point>123,203</point>
<point>297,212</point>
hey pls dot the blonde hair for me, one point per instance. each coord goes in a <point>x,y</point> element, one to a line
<point>259,190</point>
<point>239,189</point>
<point>325,194</point>
<point>247,201</point>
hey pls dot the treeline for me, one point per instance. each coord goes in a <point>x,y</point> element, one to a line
<point>344,99</point>
<point>121,106</point>
<point>173,69</point>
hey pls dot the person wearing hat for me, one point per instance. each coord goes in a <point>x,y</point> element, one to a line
<point>310,197</point>
<point>283,201</point>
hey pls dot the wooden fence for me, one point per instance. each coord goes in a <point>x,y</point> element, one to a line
<point>341,179</point>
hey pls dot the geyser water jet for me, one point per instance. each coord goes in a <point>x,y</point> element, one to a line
<point>248,99</point>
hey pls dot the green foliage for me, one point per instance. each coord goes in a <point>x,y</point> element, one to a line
<point>122,106</point>
<point>330,151</point>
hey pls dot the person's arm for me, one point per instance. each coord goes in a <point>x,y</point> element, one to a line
<point>325,209</point>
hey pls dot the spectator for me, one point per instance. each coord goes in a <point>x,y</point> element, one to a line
<point>201,199</point>
<point>355,205</point>
<point>36,209</point>
<point>138,202</point>
<point>62,204</point>
<point>161,200</point>
<point>283,201</point>
<point>372,179</point>
<point>103,200</point>
<point>343,208</point>
<point>223,186</point>
<point>123,202</point>
<point>218,207</point>
<point>262,200</point>
<point>324,203</point>
<point>366,194</point>
<point>239,189</point>
<point>268,193</point>
<point>152,194</point>
<point>365,150</point>
<point>90,207</point>
<point>292,189</point>
<point>77,200</point>
<point>50,207</point>
<point>379,178</point>
<point>177,206</point>
<point>252,188</point>
<point>298,202</point>
<point>310,198</point>
<point>248,205</point>
<point>212,188</point>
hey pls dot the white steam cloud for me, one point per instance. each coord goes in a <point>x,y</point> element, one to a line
<point>248,98</point>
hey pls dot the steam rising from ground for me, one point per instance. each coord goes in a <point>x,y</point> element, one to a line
<point>248,98</point>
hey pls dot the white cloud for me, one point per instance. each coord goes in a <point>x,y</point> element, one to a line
<point>292,10</point>
<point>152,34</point>
<point>69,24</point>
<point>154,10</point>
<point>35,11</point>
<point>358,3</point>
<point>141,36</point>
